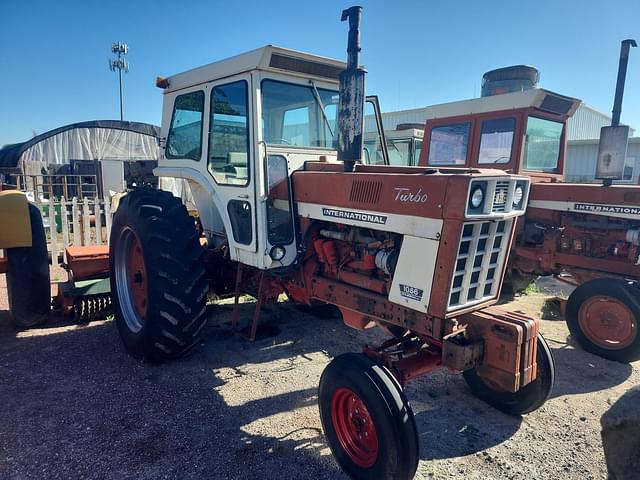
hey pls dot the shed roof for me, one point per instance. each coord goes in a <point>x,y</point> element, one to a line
<point>10,154</point>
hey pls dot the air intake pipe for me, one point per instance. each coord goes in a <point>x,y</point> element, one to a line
<point>352,96</point>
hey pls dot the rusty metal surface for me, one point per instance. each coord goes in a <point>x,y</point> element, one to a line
<point>90,261</point>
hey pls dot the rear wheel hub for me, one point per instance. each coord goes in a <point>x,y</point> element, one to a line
<point>607,322</point>
<point>131,279</point>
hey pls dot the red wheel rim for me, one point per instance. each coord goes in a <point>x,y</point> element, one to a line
<point>354,427</point>
<point>138,276</point>
<point>607,322</point>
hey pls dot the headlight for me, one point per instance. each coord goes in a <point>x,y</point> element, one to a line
<point>517,195</point>
<point>477,197</point>
<point>277,253</point>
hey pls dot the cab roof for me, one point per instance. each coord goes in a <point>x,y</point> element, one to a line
<point>539,98</point>
<point>270,58</point>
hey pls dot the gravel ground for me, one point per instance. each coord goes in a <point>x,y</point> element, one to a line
<point>75,405</point>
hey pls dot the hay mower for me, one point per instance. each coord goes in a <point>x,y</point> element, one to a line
<point>270,143</point>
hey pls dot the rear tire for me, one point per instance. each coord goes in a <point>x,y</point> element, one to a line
<point>367,420</point>
<point>28,278</point>
<point>602,316</point>
<point>158,279</point>
<point>527,399</point>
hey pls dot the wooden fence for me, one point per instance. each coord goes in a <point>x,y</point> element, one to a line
<point>75,222</point>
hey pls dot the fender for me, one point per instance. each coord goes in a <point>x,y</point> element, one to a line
<point>15,221</point>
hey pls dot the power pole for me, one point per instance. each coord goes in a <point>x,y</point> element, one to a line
<point>120,64</point>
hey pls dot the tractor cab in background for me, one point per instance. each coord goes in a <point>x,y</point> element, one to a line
<point>520,132</point>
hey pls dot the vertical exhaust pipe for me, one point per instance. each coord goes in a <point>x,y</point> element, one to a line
<point>352,96</point>
<point>622,75</point>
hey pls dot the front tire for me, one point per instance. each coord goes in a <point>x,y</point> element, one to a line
<point>28,278</point>
<point>367,420</point>
<point>602,316</point>
<point>158,279</point>
<point>528,398</point>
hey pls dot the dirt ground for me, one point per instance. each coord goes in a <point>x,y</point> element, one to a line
<point>75,405</point>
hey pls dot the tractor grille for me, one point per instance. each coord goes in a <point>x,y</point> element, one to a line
<point>500,196</point>
<point>478,268</point>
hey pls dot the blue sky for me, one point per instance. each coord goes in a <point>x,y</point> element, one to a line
<point>54,54</point>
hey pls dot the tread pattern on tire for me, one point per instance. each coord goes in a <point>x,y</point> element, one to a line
<point>176,283</point>
<point>396,410</point>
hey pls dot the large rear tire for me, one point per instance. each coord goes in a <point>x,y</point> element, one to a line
<point>367,420</point>
<point>602,316</point>
<point>158,279</point>
<point>28,279</point>
<point>527,399</point>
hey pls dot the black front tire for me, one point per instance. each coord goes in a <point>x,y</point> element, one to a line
<point>527,399</point>
<point>622,292</point>
<point>173,274</point>
<point>396,455</point>
<point>28,278</point>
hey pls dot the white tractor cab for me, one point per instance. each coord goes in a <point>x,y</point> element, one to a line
<point>246,123</point>
<point>404,144</point>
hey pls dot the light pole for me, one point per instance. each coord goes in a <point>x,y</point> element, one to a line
<point>119,64</point>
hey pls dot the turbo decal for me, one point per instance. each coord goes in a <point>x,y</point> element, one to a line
<point>358,216</point>
<point>599,208</point>
<point>406,195</point>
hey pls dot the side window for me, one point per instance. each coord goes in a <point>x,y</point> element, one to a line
<point>496,140</point>
<point>372,153</point>
<point>449,144</point>
<point>185,135</point>
<point>417,152</point>
<point>279,219</point>
<point>229,134</point>
<point>542,144</point>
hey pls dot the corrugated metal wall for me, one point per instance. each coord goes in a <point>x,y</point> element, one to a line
<point>585,123</point>
<point>582,157</point>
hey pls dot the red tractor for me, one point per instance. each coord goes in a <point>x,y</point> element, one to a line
<point>586,234</point>
<point>270,145</point>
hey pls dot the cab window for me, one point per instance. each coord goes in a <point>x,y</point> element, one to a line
<point>542,145</point>
<point>299,115</point>
<point>185,135</point>
<point>229,134</point>
<point>399,152</point>
<point>449,144</point>
<point>372,152</point>
<point>496,140</point>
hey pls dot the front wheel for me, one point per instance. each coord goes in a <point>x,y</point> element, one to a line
<point>158,279</point>
<point>528,398</point>
<point>367,420</point>
<point>602,315</point>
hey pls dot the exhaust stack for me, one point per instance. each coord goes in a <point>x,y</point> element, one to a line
<point>352,96</point>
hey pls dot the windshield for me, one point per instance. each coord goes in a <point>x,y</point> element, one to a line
<point>292,115</point>
<point>542,147</point>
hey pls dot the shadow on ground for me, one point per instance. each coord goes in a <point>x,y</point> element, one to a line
<point>75,405</point>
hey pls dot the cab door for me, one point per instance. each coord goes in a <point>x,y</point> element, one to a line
<point>230,150</point>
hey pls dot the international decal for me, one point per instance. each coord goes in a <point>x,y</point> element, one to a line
<point>602,208</point>
<point>358,216</point>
